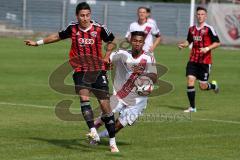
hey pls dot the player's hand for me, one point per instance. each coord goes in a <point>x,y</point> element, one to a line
<point>31,43</point>
<point>181,45</point>
<point>106,60</point>
<point>137,69</point>
<point>204,50</point>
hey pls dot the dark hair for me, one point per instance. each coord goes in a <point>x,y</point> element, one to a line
<point>82,6</point>
<point>148,10</point>
<point>201,8</point>
<point>138,33</point>
<point>143,8</point>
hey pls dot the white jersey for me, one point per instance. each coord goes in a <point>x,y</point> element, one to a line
<point>150,20</point>
<point>149,28</point>
<point>123,85</point>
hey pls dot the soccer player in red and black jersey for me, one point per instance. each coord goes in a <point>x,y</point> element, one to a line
<point>89,66</point>
<point>204,40</point>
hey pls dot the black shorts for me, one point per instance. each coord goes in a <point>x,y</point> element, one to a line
<point>95,81</point>
<point>199,70</point>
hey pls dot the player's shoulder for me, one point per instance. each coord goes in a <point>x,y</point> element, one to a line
<point>210,28</point>
<point>134,24</point>
<point>95,23</point>
<point>152,21</point>
<point>192,27</point>
<point>117,54</point>
<point>147,53</point>
<point>149,56</point>
<point>72,23</point>
<point>121,51</point>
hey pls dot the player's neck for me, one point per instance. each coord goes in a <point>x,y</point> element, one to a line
<point>84,27</point>
<point>201,25</point>
<point>136,53</point>
<point>142,21</point>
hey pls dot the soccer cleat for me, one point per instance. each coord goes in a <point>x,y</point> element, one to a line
<point>93,137</point>
<point>114,149</point>
<point>190,109</point>
<point>216,90</point>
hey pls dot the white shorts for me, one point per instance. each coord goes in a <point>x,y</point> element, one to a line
<point>129,114</point>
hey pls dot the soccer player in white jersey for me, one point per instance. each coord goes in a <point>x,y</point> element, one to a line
<point>149,18</point>
<point>151,30</point>
<point>129,66</point>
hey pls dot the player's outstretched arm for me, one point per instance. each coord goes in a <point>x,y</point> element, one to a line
<point>50,39</point>
<point>182,45</point>
<point>110,47</point>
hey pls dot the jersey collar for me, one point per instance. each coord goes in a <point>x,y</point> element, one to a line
<point>87,29</point>
<point>198,27</point>
<point>138,55</point>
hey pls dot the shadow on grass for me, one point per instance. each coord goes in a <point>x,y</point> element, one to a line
<point>173,107</point>
<point>77,144</point>
<point>180,108</point>
<point>80,144</point>
<point>104,141</point>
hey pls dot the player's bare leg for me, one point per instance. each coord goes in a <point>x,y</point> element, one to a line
<point>209,86</point>
<point>191,93</point>
<point>88,113</point>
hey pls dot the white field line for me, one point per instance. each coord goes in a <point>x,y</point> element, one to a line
<point>199,136</point>
<point>52,107</point>
<point>218,120</point>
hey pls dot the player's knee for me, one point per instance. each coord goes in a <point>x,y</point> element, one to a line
<point>203,86</point>
<point>190,82</point>
<point>84,98</point>
<point>105,106</point>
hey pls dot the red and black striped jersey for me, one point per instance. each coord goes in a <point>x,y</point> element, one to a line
<point>201,37</point>
<point>86,49</point>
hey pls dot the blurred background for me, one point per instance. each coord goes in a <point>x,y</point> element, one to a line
<point>28,17</point>
<point>30,128</point>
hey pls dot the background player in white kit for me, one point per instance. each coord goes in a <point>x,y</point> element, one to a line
<point>149,17</point>
<point>151,30</point>
<point>129,66</point>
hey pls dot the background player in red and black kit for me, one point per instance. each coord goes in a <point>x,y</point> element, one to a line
<point>89,66</point>
<point>204,39</point>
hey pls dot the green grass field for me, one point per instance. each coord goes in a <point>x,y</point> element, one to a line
<point>30,130</point>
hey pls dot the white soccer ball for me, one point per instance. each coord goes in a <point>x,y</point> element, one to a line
<point>144,85</point>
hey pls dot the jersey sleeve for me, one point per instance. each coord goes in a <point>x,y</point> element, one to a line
<point>106,34</point>
<point>112,55</point>
<point>189,36</point>
<point>115,56</point>
<point>64,34</point>
<point>128,32</point>
<point>155,31</point>
<point>213,35</point>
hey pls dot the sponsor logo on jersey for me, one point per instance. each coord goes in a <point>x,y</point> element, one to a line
<point>94,34</point>
<point>197,38</point>
<point>84,41</point>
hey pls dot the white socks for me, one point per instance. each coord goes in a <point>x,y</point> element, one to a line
<point>93,130</point>
<point>103,134</point>
<point>112,141</point>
